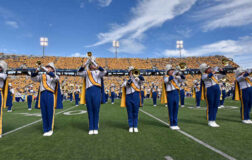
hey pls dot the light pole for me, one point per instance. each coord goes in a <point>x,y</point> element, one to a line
<point>180,46</point>
<point>115,45</point>
<point>43,43</point>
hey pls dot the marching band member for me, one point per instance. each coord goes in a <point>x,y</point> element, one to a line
<point>18,95</point>
<point>170,94</point>
<point>65,95</point>
<point>4,91</point>
<point>10,97</point>
<point>154,91</point>
<point>131,98</point>
<point>112,93</point>
<point>77,96</point>
<point>211,91</point>
<point>49,95</point>
<point>106,96</point>
<point>197,93</point>
<point>182,93</point>
<point>70,93</point>
<point>142,94</point>
<point>243,92</point>
<point>30,97</point>
<point>92,91</point>
<point>148,92</point>
<point>223,94</point>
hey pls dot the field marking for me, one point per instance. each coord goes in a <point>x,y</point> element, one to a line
<point>193,138</point>
<point>27,125</point>
<point>76,112</point>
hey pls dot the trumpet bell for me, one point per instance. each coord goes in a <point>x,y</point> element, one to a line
<point>226,61</point>
<point>39,63</point>
<point>182,66</point>
<point>135,72</point>
<point>89,54</point>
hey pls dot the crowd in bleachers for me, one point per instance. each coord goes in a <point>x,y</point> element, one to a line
<point>113,63</point>
<point>19,82</point>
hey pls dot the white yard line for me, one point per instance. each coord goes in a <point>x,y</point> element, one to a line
<point>193,138</point>
<point>27,125</point>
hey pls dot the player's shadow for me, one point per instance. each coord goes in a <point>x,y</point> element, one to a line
<point>118,124</point>
<point>152,123</point>
<point>81,125</point>
<point>238,120</point>
<point>203,122</point>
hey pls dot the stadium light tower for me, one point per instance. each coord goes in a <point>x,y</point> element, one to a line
<point>115,45</point>
<point>180,46</point>
<point>43,43</point>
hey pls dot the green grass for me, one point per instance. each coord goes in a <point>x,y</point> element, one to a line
<point>154,141</point>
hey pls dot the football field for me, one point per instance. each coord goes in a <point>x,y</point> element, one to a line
<point>23,140</point>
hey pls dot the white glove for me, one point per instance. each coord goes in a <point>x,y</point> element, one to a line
<point>94,63</point>
<point>87,62</point>
<point>44,69</point>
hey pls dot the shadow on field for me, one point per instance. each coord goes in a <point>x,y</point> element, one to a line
<point>153,122</point>
<point>81,125</point>
<point>117,124</point>
<point>203,123</point>
<point>238,120</point>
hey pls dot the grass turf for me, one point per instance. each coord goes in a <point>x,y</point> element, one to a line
<point>154,141</point>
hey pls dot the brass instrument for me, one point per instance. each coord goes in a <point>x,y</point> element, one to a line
<point>182,66</point>
<point>39,63</point>
<point>226,61</point>
<point>224,80</point>
<point>135,72</point>
<point>89,54</point>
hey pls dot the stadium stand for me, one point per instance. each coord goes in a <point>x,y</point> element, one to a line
<point>15,61</point>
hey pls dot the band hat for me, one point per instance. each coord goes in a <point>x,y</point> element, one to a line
<point>51,64</point>
<point>238,71</point>
<point>168,67</point>
<point>204,67</point>
<point>130,68</point>
<point>3,65</point>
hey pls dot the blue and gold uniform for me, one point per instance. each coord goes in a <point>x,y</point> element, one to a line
<point>142,95</point>
<point>77,97</point>
<point>197,93</point>
<point>3,91</point>
<point>211,92</point>
<point>112,93</point>
<point>49,97</point>
<point>131,98</point>
<point>182,86</point>
<point>170,95</point>
<point>243,92</point>
<point>223,94</point>
<point>92,92</point>
<point>154,91</point>
<point>30,94</point>
<point>10,98</point>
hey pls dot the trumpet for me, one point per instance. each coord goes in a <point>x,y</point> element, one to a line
<point>89,54</point>
<point>182,66</point>
<point>224,80</point>
<point>135,72</point>
<point>226,61</point>
<point>39,63</point>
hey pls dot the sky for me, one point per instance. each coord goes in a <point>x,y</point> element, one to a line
<point>144,28</point>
